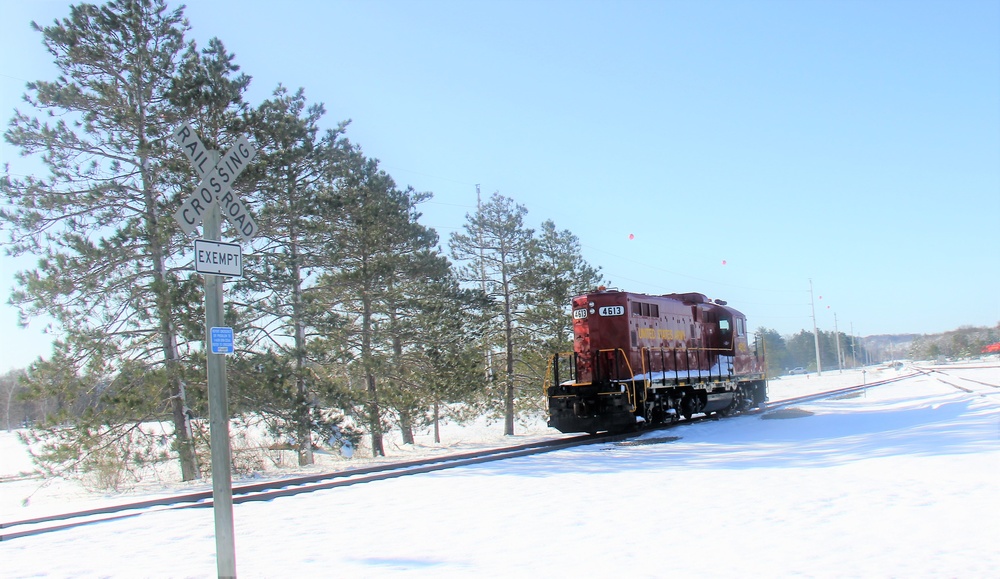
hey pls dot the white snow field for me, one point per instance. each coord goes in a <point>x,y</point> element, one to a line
<point>900,481</point>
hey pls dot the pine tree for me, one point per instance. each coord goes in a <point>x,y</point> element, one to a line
<point>110,272</point>
<point>430,320</point>
<point>300,163</point>
<point>775,351</point>
<point>445,358</point>
<point>495,248</point>
<point>558,273</point>
<point>371,245</point>
<point>10,387</point>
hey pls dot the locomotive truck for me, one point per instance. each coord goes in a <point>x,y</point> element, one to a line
<point>643,360</point>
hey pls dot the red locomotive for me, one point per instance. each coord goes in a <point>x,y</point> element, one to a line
<point>651,359</point>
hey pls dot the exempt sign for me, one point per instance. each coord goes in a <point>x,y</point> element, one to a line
<point>216,258</point>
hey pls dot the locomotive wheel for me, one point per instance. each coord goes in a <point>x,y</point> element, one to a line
<point>658,415</point>
<point>687,406</point>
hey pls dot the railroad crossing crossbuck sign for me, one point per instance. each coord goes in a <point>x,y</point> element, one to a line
<point>216,183</point>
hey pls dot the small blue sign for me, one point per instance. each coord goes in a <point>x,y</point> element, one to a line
<point>221,340</point>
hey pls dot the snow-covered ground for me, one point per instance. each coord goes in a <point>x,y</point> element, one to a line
<point>901,481</point>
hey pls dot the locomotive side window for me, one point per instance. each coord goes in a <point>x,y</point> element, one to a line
<point>740,328</point>
<point>645,310</point>
<point>724,325</point>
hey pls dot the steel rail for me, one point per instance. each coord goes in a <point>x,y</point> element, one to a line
<point>930,371</point>
<point>269,490</point>
<point>833,393</point>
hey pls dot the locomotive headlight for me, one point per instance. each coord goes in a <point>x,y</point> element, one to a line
<point>591,309</point>
<point>591,304</point>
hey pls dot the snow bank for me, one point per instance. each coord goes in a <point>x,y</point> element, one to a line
<point>897,482</point>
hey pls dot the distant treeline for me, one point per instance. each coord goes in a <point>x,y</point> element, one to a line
<point>799,350</point>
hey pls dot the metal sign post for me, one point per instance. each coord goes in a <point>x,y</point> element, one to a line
<point>218,410</point>
<point>215,261</point>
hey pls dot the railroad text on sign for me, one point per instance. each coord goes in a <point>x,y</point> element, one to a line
<point>216,184</point>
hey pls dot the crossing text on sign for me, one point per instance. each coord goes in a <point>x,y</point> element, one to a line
<point>216,183</point>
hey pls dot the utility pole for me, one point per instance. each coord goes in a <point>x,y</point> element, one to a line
<point>854,350</point>
<point>488,354</point>
<point>836,336</point>
<point>812,304</point>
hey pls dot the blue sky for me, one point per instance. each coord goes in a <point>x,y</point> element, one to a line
<point>856,144</point>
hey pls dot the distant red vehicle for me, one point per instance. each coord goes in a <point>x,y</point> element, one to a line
<point>642,359</point>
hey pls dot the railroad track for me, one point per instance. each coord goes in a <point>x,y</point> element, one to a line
<point>269,490</point>
<point>834,393</point>
<point>971,386</point>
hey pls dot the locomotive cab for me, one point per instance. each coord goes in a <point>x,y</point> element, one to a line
<point>725,334</point>
<point>733,341</point>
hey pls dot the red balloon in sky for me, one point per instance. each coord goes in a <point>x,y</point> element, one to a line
<point>631,236</point>
<point>723,262</point>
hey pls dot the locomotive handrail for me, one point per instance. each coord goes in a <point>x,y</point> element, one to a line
<point>552,371</point>
<point>763,348</point>
<point>644,354</point>
<point>632,396</point>
<point>548,375</point>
